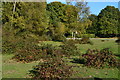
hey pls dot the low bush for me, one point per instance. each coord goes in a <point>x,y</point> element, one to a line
<point>11,41</point>
<point>102,40</point>
<point>100,59</point>
<point>69,48</point>
<point>8,42</point>
<point>8,47</point>
<point>44,38</point>
<point>52,68</point>
<point>32,52</point>
<point>59,38</point>
<point>118,40</point>
<point>27,51</point>
<point>85,40</point>
<point>50,50</point>
<point>79,60</point>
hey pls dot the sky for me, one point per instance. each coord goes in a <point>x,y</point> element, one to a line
<point>95,7</point>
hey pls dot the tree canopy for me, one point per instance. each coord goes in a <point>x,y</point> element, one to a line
<point>57,19</point>
<point>108,21</point>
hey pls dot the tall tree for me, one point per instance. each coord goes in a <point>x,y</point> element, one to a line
<point>27,17</point>
<point>82,22</point>
<point>83,10</point>
<point>61,14</point>
<point>108,21</point>
<point>56,12</point>
<point>92,29</point>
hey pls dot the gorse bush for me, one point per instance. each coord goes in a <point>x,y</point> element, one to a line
<point>31,51</point>
<point>12,42</point>
<point>53,65</point>
<point>8,42</point>
<point>44,38</point>
<point>10,46</point>
<point>52,68</point>
<point>100,59</point>
<point>49,50</point>
<point>27,51</point>
<point>60,38</point>
<point>85,40</point>
<point>69,48</point>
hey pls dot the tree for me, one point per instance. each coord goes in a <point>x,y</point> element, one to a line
<point>37,19</point>
<point>108,21</point>
<point>61,15</point>
<point>83,10</point>
<point>56,12</point>
<point>93,28</point>
<point>27,17</point>
<point>82,22</point>
<point>71,14</point>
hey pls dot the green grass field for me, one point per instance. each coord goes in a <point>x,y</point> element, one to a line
<point>13,69</point>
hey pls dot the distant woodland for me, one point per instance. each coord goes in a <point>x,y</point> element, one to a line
<point>56,21</point>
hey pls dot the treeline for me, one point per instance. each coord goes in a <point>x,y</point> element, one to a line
<point>56,21</point>
<point>106,24</point>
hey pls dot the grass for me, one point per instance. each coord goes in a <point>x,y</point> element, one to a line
<point>82,71</point>
<point>98,44</point>
<point>85,72</point>
<point>13,69</point>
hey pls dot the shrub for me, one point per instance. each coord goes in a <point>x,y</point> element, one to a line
<point>79,60</point>
<point>32,52</point>
<point>102,58</point>
<point>44,38</point>
<point>8,47</point>
<point>50,50</point>
<point>11,41</point>
<point>60,38</point>
<point>8,42</point>
<point>118,40</point>
<point>27,51</point>
<point>69,48</point>
<point>102,40</point>
<point>52,68</point>
<point>85,40</point>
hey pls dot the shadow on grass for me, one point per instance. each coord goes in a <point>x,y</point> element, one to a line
<point>79,61</point>
<point>118,55</point>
